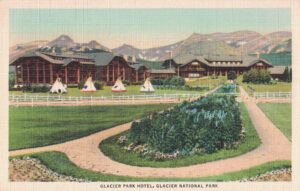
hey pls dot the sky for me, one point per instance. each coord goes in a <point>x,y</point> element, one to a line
<point>142,28</point>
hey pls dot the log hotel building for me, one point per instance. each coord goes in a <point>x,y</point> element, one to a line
<point>41,67</point>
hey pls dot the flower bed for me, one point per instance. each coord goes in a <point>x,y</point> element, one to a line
<point>203,126</point>
<point>227,88</point>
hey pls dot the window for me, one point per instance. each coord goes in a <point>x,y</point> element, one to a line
<point>194,75</point>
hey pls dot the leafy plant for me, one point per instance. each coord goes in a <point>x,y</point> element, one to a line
<point>231,75</point>
<point>257,76</point>
<point>36,88</point>
<point>171,81</point>
<point>206,125</point>
<point>99,85</point>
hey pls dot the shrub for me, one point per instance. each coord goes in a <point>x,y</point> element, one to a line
<point>158,82</point>
<point>81,84</point>
<point>231,75</point>
<point>287,75</point>
<point>11,80</point>
<point>208,124</point>
<point>171,81</point>
<point>36,88</point>
<point>126,82</point>
<point>174,81</point>
<point>99,85</point>
<point>257,76</point>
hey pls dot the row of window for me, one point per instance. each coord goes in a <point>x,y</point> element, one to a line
<point>226,63</point>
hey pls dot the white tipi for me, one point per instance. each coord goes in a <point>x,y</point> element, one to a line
<point>118,87</point>
<point>88,86</point>
<point>58,87</point>
<point>147,86</point>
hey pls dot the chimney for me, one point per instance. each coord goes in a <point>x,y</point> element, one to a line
<point>133,59</point>
<point>170,54</point>
<point>125,57</point>
<point>258,55</point>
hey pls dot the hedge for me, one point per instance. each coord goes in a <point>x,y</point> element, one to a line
<point>186,88</point>
<point>171,81</point>
<point>36,88</point>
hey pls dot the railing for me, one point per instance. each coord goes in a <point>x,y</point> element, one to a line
<point>91,99</point>
<point>32,100</point>
<point>272,95</point>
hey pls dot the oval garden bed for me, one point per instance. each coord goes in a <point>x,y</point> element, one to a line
<point>209,129</point>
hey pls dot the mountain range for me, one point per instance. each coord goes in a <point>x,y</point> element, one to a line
<point>233,43</point>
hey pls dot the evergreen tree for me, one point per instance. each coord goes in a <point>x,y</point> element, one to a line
<point>286,74</point>
<point>290,75</point>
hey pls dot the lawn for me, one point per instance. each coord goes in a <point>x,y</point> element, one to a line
<point>39,126</point>
<point>281,115</point>
<point>110,148</point>
<point>207,81</point>
<point>278,87</point>
<point>60,163</point>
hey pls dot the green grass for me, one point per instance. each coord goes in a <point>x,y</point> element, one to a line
<point>207,81</point>
<point>110,148</point>
<point>281,115</point>
<point>131,90</point>
<point>60,163</point>
<point>40,126</point>
<point>279,87</point>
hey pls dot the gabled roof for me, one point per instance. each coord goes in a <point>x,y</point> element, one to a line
<point>249,61</point>
<point>220,60</point>
<point>218,57</point>
<point>102,58</point>
<point>71,56</point>
<point>38,54</point>
<point>67,61</point>
<point>151,64</point>
<point>138,66</point>
<point>277,70</point>
<point>187,58</point>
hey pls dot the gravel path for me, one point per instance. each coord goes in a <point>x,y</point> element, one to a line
<point>30,169</point>
<point>85,153</point>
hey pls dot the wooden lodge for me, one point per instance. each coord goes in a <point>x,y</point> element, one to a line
<point>40,67</point>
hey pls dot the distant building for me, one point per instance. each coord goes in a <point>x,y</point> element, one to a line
<point>39,67</point>
<point>277,72</point>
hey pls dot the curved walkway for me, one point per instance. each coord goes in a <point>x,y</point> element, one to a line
<point>85,153</point>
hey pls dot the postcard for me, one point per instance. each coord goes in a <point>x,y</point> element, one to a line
<point>123,95</point>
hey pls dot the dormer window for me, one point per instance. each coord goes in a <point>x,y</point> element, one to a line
<point>195,63</point>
